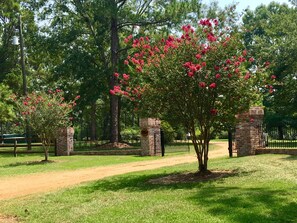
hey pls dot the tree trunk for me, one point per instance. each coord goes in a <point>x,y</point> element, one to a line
<point>203,165</point>
<point>46,154</point>
<point>201,149</point>
<point>114,100</point>
<point>45,148</point>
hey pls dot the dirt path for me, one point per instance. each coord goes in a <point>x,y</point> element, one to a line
<point>19,186</point>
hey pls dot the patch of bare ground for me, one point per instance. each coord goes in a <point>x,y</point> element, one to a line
<point>8,219</point>
<point>189,177</point>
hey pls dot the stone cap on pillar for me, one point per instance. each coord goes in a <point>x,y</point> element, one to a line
<point>149,122</point>
<point>256,111</point>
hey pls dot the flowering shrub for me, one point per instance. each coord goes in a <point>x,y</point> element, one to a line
<point>201,79</point>
<point>46,113</point>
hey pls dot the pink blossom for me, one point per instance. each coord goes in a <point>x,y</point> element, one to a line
<point>187,64</point>
<point>213,85</point>
<point>126,40</point>
<point>214,111</point>
<point>241,59</point>
<point>251,60</point>
<point>190,74</point>
<point>273,77</point>
<point>198,56</point>
<point>218,76</point>
<point>247,76</point>
<point>126,77</point>
<point>138,69</point>
<point>198,66</point>
<point>228,61</point>
<point>116,75</point>
<point>211,37</point>
<point>202,84</point>
<point>157,49</point>
<point>267,63</point>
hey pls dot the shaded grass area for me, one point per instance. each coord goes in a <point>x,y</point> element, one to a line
<point>264,189</point>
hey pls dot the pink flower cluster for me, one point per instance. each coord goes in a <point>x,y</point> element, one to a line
<point>209,22</point>
<point>118,91</point>
<point>192,68</point>
<point>55,98</point>
<point>200,65</point>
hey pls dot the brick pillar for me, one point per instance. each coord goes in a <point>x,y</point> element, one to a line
<point>150,136</point>
<point>249,134</point>
<point>65,141</point>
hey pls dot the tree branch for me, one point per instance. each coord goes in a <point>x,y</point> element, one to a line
<point>143,23</point>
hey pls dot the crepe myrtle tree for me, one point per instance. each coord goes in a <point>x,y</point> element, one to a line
<point>46,113</point>
<point>202,79</point>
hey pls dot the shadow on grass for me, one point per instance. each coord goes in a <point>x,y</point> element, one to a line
<point>290,158</point>
<point>245,205</point>
<point>232,204</point>
<point>138,183</point>
<point>29,163</point>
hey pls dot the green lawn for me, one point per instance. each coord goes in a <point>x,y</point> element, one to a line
<point>263,190</point>
<point>31,163</point>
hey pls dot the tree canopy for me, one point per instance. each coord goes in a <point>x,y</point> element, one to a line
<point>272,35</point>
<point>202,79</point>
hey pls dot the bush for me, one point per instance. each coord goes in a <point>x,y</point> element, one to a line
<point>169,133</point>
<point>131,134</point>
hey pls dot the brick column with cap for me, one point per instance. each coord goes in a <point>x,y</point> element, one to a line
<point>150,136</point>
<point>249,133</point>
<point>65,141</point>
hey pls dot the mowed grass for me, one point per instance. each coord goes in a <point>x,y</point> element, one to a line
<point>262,190</point>
<point>32,163</point>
